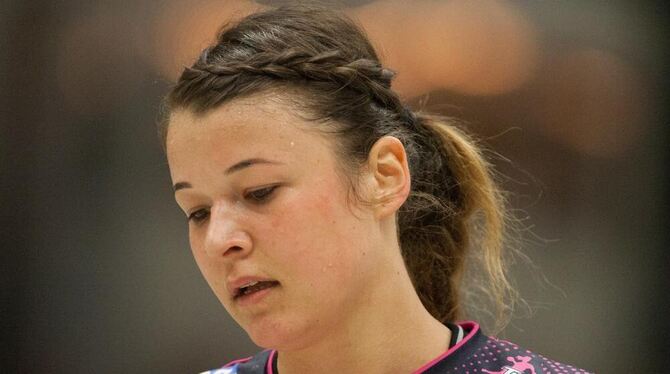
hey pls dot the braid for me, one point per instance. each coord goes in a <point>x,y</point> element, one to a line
<point>363,75</point>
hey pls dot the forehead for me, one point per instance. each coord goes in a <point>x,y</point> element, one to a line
<point>261,126</point>
<point>257,115</point>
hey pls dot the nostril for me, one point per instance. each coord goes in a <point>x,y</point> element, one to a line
<point>233,249</point>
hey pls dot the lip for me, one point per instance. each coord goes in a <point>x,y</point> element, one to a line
<point>254,298</point>
<point>234,284</point>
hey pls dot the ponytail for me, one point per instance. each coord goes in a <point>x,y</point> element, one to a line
<point>453,201</point>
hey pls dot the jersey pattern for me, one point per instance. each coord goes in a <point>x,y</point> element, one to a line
<point>475,353</point>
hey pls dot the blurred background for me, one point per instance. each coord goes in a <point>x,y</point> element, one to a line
<point>96,271</point>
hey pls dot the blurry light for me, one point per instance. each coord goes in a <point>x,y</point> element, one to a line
<point>183,29</point>
<point>594,102</point>
<point>469,47</point>
<point>475,48</point>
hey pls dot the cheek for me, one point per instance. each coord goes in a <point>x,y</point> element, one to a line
<point>320,240</point>
<point>196,244</point>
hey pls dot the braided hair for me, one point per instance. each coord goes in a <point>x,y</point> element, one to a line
<point>454,214</point>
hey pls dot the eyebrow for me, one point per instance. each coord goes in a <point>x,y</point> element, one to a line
<point>237,167</point>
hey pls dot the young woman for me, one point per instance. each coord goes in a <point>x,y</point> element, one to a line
<point>332,222</point>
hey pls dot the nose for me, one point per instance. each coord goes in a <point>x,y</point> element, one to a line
<point>226,238</point>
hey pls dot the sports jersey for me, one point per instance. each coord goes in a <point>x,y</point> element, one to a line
<point>470,351</point>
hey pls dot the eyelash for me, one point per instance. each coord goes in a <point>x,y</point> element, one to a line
<point>265,193</point>
<point>198,216</point>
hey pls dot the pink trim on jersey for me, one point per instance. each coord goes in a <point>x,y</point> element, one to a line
<point>239,361</point>
<point>268,367</point>
<point>466,325</point>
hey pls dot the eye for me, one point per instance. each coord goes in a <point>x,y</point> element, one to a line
<point>261,195</point>
<point>198,216</point>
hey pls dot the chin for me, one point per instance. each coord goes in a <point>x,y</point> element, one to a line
<point>277,335</point>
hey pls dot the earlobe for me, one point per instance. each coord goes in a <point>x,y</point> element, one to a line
<point>390,176</point>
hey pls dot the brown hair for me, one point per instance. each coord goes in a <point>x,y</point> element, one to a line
<point>330,66</point>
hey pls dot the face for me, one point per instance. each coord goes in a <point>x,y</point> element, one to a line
<point>281,219</point>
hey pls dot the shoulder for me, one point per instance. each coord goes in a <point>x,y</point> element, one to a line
<point>474,353</point>
<point>477,352</point>
<point>256,364</point>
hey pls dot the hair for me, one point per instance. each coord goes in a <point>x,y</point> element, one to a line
<point>455,213</point>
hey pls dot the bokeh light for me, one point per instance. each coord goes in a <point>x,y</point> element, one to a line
<point>182,29</point>
<point>469,47</point>
<point>594,102</point>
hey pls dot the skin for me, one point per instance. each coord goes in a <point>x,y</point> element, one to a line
<point>343,285</point>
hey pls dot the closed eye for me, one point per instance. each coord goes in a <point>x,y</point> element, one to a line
<point>261,195</point>
<point>198,216</point>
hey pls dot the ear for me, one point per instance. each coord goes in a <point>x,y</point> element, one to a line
<point>389,179</point>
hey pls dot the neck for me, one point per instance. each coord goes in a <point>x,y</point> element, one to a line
<point>391,332</point>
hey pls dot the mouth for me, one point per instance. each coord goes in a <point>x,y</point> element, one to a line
<point>251,288</point>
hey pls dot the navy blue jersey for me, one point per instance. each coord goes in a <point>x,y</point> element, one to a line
<point>474,353</point>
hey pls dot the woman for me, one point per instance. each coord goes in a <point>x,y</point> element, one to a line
<point>332,222</point>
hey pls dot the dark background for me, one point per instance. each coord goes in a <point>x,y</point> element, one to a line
<point>96,270</point>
